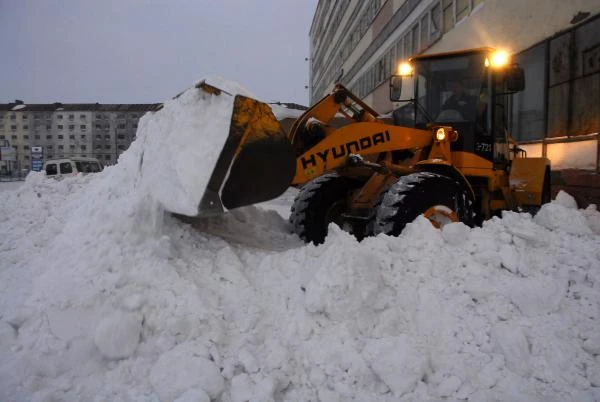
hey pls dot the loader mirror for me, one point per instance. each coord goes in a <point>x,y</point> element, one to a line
<point>395,88</point>
<point>515,79</point>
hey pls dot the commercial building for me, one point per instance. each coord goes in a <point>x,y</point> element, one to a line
<point>102,131</point>
<point>360,43</point>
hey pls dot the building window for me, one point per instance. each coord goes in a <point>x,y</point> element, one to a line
<point>462,9</point>
<point>107,146</point>
<point>37,137</point>
<point>48,137</point>
<point>26,156</point>
<point>435,22</point>
<point>60,137</point>
<point>48,127</point>
<point>25,127</point>
<point>121,126</point>
<point>121,136</point>
<point>13,128</point>
<point>71,127</point>
<point>59,116</point>
<point>60,147</point>
<point>415,39</point>
<point>81,117</point>
<point>107,137</point>
<point>60,126</point>
<point>71,137</point>
<point>107,157</point>
<point>121,147</point>
<point>83,136</point>
<point>72,147</point>
<point>98,137</point>
<point>83,127</point>
<point>448,14</point>
<point>424,28</point>
<point>13,117</point>
<point>98,126</point>
<point>14,137</point>
<point>71,116</point>
<point>135,125</point>
<point>25,137</point>
<point>24,117</point>
<point>83,147</point>
<point>2,137</point>
<point>25,146</point>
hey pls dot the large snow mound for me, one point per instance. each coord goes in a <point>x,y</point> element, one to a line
<point>104,296</point>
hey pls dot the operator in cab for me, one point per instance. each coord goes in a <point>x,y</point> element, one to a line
<point>460,101</point>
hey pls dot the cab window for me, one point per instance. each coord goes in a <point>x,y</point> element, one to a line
<point>51,169</point>
<point>66,167</point>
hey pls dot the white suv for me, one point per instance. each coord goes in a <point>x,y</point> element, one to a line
<point>58,168</point>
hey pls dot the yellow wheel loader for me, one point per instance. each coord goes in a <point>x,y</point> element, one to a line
<point>444,152</point>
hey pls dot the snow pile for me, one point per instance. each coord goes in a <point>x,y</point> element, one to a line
<point>104,296</point>
<point>181,144</point>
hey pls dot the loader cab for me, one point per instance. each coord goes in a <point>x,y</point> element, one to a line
<point>466,90</point>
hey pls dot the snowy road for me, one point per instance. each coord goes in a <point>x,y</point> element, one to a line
<point>105,296</point>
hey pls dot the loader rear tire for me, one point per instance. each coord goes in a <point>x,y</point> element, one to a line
<point>319,203</point>
<point>441,198</point>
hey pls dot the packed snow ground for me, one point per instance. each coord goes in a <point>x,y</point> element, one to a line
<point>104,296</point>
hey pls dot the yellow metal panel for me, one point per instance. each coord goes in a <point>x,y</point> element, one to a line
<point>527,179</point>
<point>358,138</point>
<point>469,160</point>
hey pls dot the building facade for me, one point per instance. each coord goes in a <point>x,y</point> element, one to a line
<point>102,131</point>
<point>361,43</point>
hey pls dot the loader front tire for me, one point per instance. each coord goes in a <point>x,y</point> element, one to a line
<point>319,203</point>
<point>440,198</point>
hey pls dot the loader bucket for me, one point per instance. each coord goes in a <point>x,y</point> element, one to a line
<point>257,162</point>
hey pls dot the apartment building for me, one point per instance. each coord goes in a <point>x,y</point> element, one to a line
<point>361,43</point>
<point>102,131</point>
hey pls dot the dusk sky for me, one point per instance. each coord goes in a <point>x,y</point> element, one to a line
<point>134,51</point>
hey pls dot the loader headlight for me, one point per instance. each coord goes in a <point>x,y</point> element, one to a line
<point>440,134</point>
<point>498,59</point>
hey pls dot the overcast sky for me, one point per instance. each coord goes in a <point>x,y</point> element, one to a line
<point>134,51</point>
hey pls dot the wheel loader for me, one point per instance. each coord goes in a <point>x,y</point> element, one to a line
<point>444,152</point>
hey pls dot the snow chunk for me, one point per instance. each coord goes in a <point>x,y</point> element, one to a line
<point>566,200</point>
<point>593,218</point>
<point>455,233</point>
<point>184,367</point>
<point>117,336</point>
<point>592,344</point>
<point>398,361</point>
<point>556,216</point>
<point>193,395</point>
<point>512,343</point>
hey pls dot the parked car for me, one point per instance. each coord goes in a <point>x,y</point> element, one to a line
<point>58,168</point>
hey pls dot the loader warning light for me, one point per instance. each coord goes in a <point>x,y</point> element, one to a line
<point>405,69</point>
